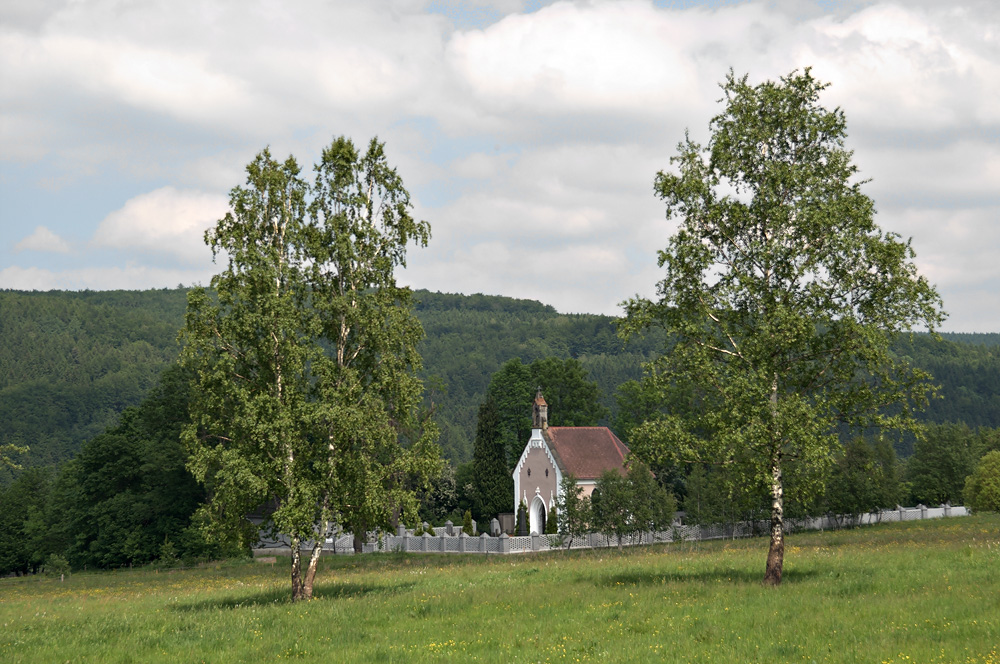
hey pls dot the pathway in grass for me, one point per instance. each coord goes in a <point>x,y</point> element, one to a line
<point>911,592</point>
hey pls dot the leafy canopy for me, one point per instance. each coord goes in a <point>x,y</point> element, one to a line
<point>780,298</point>
<point>306,363</point>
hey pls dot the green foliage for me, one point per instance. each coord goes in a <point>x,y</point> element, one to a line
<point>653,507</point>
<point>573,400</point>
<point>637,402</point>
<point>612,503</point>
<point>781,297</point>
<point>575,509</point>
<point>467,523</point>
<point>7,453</point>
<point>705,498</point>
<point>631,504</point>
<point>129,490</point>
<point>494,485</point>
<point>969,375</point>
<point>439,498</point>
<point>306,363</point>
<point>552,521</point>
<point>56,565</point>
<point>24,544</point>
<point>73,361</point>
<point>168,554</point>
<point>982,487</point>
<point>941,461</point>
<point>865,478</point>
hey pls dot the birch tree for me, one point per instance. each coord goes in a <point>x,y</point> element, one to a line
<point>780,298</point>
<point>305,354</point>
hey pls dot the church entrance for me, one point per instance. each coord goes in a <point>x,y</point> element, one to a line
<point>536,516</point>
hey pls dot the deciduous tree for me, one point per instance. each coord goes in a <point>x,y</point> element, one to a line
<point>780,299</point>
<point>982,487</point>
<point>574,510</point>
<point>865,479</point>
<point>942,458</point>
<point>306,361</point>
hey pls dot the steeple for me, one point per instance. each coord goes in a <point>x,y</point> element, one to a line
<point>540,412</point>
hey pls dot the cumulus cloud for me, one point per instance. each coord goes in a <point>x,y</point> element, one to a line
<point>42,239</point>
<point>528,136</point>
<point>131,277</point>
<point>165,221</point>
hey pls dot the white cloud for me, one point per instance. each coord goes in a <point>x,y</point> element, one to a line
<point>909,67</point>
<point>165,221</point>
<point>529,140</point>
<point>42,239</point>
<point>130,277</point>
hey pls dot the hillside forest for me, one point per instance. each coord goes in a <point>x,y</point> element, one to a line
<point>89,382</point>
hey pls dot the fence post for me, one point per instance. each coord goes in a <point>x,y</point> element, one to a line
<point>504,543</point>
<point>534,541</point>
<point>462,539</point>
<point>444,546</point>
<point>482,543</point>
<point>449,527</point>
<point>423,541</point>
<point>947,509</point>
<point>923,511</point>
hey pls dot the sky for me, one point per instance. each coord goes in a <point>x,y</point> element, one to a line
<point>528,133</point>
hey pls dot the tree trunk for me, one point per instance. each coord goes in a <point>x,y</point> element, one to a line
<point>298,590</point>
<point>776,552</point>
<point>307,583</point>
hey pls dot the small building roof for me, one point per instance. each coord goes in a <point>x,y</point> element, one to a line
<point>586,451</point>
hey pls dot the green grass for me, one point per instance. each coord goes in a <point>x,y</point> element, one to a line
<point>912,592</point>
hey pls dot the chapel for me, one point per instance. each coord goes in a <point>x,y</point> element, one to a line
<point>552,452</point>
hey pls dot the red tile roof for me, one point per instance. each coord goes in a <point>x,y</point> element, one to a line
<point>586,451</point>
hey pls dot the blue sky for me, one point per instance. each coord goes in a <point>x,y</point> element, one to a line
<point>528,133</point>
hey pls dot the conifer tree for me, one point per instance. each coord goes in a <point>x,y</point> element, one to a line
<point>494,483</point>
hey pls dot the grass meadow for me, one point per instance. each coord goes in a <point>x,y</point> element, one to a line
<point>896,593</point>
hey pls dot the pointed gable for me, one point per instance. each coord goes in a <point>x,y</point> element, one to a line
<point>586,452</point>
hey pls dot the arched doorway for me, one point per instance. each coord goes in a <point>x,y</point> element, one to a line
<point>536,516</point>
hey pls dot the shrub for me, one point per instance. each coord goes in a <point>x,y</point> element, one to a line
<point>467,523</point>
<point>56,565</point>
<point>982,487</point>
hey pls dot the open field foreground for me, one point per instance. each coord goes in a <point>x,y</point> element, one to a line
<point>904,592</point>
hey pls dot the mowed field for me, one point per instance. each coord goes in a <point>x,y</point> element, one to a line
<point>911,592</point>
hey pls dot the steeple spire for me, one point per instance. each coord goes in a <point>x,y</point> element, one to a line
<point>540,412</point>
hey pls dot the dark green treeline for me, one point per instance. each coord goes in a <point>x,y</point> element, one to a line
<point>71,362</point>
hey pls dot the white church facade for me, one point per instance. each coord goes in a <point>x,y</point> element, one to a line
<point>553,452</point>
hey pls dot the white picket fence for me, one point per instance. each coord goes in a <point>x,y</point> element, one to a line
<point>459,542</point>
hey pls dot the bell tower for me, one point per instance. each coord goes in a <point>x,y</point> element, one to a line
<point>540,412</point>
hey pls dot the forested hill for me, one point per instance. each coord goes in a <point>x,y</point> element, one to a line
<point>71,361</point>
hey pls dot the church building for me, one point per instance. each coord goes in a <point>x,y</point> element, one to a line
<point>551,453</point>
